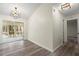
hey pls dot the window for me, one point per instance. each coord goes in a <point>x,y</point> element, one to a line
<point>13,29</point>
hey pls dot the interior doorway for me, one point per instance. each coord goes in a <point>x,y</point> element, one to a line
<point>72,31</point>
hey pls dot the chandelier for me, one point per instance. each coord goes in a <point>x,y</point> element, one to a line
<point>15,12</point>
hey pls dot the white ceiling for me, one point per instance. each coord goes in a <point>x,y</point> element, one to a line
<point>68,12</point>
<point>71,11</point>
<point>26,9</point>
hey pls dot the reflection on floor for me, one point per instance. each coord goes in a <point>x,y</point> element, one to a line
<point>10,39</point>
<point>68,49</point>
<point>71,48</point>
<point>22,48</point>
<point>27,48</point>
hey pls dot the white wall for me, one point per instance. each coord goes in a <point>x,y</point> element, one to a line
<point>65,31</point>
<point>40,29</point>
<point>45,27</point>
<point>57,29</point>
<point>25,29</point>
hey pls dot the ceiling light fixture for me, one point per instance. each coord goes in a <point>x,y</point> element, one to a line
<point>66,5</point>
<point>15,12</point>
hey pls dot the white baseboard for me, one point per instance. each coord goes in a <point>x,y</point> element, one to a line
<point>51,50</point>
<point>41,45</point>
<point>57,47</point>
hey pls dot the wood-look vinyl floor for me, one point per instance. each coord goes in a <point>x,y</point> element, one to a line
<point>22,48</point>
<point>27,48</point>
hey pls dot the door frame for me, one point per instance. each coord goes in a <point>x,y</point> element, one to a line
<point>65,29</point>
